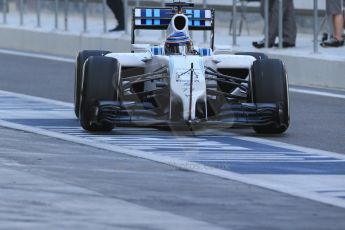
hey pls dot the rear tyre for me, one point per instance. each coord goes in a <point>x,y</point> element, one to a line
<point>80,60</point>
<point>270,85</point>
<point>97,84</point>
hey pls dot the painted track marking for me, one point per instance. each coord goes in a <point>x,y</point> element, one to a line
<point>302,172</point>
<point>317,93</point>
<point>39,56</point>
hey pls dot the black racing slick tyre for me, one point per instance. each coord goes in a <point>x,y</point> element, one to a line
<point>257,55</point>
<point>270,85</point>
<point>80,60</point>
<point>97,84</point>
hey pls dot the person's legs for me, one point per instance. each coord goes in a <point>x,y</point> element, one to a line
<point>338,21</point>
<point>120,13</point>
<point>272,26</point>
<point>116,7</point>
<point>289,24</point>
<point>273,21</point>
<point>334,8</point>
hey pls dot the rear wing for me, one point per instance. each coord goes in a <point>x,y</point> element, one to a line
<point>159,19</point>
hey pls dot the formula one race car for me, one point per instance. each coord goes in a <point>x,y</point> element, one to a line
<point>177,84</point>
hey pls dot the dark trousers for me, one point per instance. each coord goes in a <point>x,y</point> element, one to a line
<point>116,7</point>
<point>289,21</point>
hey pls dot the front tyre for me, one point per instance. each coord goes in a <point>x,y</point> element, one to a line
<point>270,85</point>
<point>97,85</point>
<point>79,64</point>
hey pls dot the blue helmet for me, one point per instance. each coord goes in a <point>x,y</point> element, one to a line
<point>178,43</point>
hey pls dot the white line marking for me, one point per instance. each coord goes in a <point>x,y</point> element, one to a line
<point>290,146</point>
<point>39,99</point>
<point>190,166</point>
<point>39,56</point>
<point>316,92</point>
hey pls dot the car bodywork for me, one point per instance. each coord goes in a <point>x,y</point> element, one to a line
<point>205,87</point>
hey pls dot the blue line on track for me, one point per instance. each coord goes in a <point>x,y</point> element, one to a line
<point>308,173</point>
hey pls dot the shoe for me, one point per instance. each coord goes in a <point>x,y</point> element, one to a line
<point>261,44</point>
<point>324,37</point>
<point>116,29</point>
<point>285,45</point>
<point>332,43</point>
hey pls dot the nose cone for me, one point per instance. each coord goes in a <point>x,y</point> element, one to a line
<point>187,86</point>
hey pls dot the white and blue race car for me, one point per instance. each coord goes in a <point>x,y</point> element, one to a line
<point>176,84</point>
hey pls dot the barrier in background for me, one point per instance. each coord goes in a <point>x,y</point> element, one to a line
<point>204,3</point>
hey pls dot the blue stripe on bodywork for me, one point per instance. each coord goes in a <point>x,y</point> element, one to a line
<point>203,14</point>
<point>148,13</point>
<point>157,14</point>
<point>196,13</point>
<point>190,15</point>
<point>163,17</point>
<point>143,12</point>
<point>196,21</point>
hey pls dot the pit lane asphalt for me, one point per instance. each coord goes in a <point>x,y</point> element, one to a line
<point>198,197</point>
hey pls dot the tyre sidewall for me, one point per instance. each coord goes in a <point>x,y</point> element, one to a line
<point>97,85</point>
<point>79,65</point>
<point>269,85</point>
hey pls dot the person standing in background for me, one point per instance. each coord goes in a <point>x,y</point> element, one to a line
<point>116,7</point>
<point>335,8</point>
<point>289,24</point>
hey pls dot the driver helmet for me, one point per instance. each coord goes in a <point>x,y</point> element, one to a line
<point>178,43</point>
